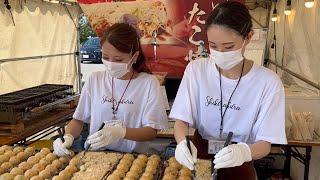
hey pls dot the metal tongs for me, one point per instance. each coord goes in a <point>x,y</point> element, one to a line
<point>88,147</point>
<point>214,175</point>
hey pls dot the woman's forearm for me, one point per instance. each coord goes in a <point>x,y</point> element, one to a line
<point>141,134</point>
<point>74,128</point>
<point>260,149</point>
<point>180,130</point>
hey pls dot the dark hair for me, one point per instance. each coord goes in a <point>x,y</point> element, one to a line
<point>233,15</point>
<point>125,39</point>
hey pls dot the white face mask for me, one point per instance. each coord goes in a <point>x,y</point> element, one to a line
<point>117,70</point>
<point>227,60</point>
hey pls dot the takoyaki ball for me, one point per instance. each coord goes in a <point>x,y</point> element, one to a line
<point>171,170</point>
<point>119,173</point>
<point>9,154</point>
<point>17,149</point>
<point>30,173</point>
<point>38,167</point>
<point>51,157</point>
<point>64,160</point>
<point>113,177</point>
<point>25,166</point>
<point>3,158</point>
<point>132,175</point>
<point>45,151</point>
<point>58,178</point>
<point>74,161</point>
<point>14,160</point>
<point>65,174</point>
<point>30,151</point>
<point>155,156</point>
<point>45,174</point>
<point>169,177</point>
<point>175,165</point>
<point>123,167</point>
<point>6,176</point>
<point>71,169</point>
<point>184,178</point>
<point>6,166</point>
<point>32,160</point>
<point>56,163</point>
<point>37,178</point>
<point>16,171</point>
<point>152,163</point>
<point>51,169</point>
<point>44,162</point>
<point>20,177</point>
<point>185,172</point>
<point>147,175</point>
<point>128,156</point>
<point>40,156</point>
<point>2,170</point>
<point>151,169</point>
<point>125,161</point>
<point>6,148</point>
<point>143,157</point>
<point>137,169</point>
<point>139,163</point>
<point>21,156</point>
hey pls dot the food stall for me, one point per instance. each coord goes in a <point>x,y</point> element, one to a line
<point>40,83</point>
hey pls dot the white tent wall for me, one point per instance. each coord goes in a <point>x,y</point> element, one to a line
<point>41,29</point>
<point>297,46</point>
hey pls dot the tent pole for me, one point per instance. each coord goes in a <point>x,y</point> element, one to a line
<point>311,83</point>
<point>35,57</point>
<point>77,56</point>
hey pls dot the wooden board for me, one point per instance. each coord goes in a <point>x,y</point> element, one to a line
<point>8,129</point>
<point>301,143</point>
<point>36,125</point>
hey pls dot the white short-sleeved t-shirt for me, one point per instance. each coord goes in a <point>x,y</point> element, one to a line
<point>141,106</point>
<point>256,111</point>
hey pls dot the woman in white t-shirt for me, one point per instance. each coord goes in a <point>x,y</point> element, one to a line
<point>253,94</point>
<point>124,98</point>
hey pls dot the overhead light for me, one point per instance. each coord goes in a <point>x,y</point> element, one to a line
<point>309,3</point>
<point>274,17</point>
<point>287,10</point>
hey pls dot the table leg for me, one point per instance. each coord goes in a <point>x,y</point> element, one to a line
<point>287,164</point>
<point>307,162</point>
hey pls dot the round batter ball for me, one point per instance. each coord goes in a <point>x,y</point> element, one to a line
<point>119,173</point>
<point>123,167</point>
<point>74,161</point>
<point>64,160</point>
<point>132,175</point>
<point>65,174</point>
<point>37,178</point>
<point>171,170</point>
<point>139,163</point>
<point>45,174</point>
<point>184,178</point>
<point>147,176</point>
<point>71,169</point>
<point>113,177</point>
<point>136,169</point>
<point>169,177</point>
<point>32,160</point>
<point>151,169</point>
<point>44,162</point>
<point>6,148</point>
<point>3,159</point>
<point>40,156</point>
<point>30,173</point>
<point>2,170</point>
<point>25,166</point>
<point>16,171</point>
<point>30,150</point>
<point>21,156</point>
<point>38,167</point>
<point>9,153</point>
<point>143,157</point>
<point>6,166</point>
<point>125,161</point>
<point>175,165</point>
<point>45,151</point>
<point>185,172</point>
<point>20,177</point>
<point>56,163</point>
<point>14,160</point>
<point>18,149</point>
<point>51,169</point>
<point>51,157</point>
<point>2,151</point>
<point>152,163</point>
<point>58,178</point>
<point>128,156</point>
<point>6,176</point>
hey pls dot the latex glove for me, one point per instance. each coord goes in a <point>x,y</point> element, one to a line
<point>61,148</point>
<point>110,133</point>
<point>232,156</point>
<point>183,155</point>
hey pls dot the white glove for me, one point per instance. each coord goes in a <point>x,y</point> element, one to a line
<point>183,155</point>
<point>60,148</point>
<point>232,156</point>
<point>110,133</point>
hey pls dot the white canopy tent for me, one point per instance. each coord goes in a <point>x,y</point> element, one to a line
<point>38,44</point>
